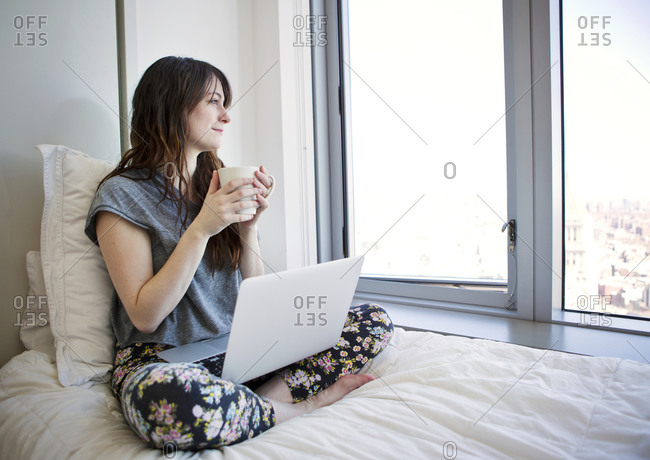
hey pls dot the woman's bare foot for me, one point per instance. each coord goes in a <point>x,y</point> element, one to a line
<point>343,386</point>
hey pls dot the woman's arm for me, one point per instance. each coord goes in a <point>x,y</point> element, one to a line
<point>126,248</point>
<point>251,263</point>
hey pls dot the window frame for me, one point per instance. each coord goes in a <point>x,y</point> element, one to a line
<point>549,298</point>
<point>534,159</point>
<point>331,102</point>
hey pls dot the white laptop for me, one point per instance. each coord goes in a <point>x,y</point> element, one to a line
<point>279,318</point>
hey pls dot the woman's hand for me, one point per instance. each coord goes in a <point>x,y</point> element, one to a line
<point>264,183</point>
<point>220,205</point>
<point>251,261</point>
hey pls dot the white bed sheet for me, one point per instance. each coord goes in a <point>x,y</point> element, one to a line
<point>434,395</point>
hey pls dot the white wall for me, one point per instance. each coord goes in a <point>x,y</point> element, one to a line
<point>43,101</point>
<point>216,31</point>
<point>251,41</point>
<point>285,134</point>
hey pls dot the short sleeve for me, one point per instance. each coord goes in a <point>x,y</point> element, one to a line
<point>121,196</point>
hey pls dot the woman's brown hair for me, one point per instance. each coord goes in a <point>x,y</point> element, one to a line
<point>167,92</point>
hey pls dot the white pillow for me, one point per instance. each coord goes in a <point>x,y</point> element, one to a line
<point>33,311</point>
<point>79,289</point>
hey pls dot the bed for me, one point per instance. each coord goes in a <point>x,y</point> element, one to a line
<point>434,396</point>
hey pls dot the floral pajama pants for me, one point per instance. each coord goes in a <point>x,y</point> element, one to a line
<point>185,406</point>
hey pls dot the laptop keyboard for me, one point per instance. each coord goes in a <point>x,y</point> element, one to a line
<point>213,363</point>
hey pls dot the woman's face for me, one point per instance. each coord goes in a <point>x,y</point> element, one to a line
<point>206,121</point>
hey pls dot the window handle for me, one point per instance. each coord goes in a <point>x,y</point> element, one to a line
<point>512,233</point>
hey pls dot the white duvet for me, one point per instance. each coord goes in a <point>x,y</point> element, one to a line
<point>434,397</point>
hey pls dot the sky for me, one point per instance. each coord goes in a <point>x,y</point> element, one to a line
<point>427,83</point>
<point>607,98</point>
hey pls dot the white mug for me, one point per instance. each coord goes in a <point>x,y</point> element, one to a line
<point>235,172</point>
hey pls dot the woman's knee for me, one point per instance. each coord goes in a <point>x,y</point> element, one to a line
<point>186,405</point>
<point>371,313</point>
<point>372,325</point>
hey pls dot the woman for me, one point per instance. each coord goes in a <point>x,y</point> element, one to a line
<point>176,250</point>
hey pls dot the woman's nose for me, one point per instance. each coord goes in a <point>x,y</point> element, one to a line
<point>225,117</point>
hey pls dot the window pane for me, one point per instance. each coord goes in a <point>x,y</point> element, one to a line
<point>427,138</point>
<point>607,155</point>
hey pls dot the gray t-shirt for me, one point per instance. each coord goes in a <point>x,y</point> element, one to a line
<point>207,307</point>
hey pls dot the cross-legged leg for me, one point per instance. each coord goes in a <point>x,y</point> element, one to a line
<point>367,331</point>
<point>186,405</point>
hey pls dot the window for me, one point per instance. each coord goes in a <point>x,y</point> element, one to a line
<point>417,107</point>
<point>606,113</point>
<point>427,139</point>
<point>380,117</point>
